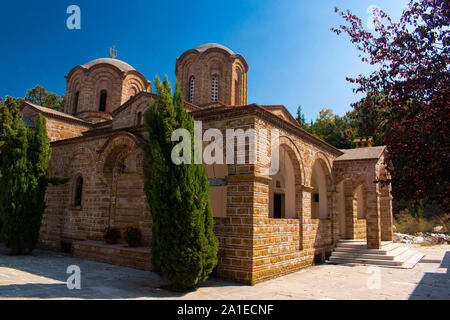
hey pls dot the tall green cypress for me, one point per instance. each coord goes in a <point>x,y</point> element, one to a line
<point>24,160</point>
<point>184,247</point>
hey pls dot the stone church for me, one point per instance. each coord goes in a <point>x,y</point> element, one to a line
<point>267,226</point>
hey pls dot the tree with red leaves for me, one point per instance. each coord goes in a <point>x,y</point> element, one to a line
<point>412,83</point>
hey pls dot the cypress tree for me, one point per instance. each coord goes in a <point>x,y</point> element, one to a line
<point>24,159</point>
<point>184,248</point>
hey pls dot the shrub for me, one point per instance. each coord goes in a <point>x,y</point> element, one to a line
<point>133,236</point>
<point>408,224</point>
<point>112,235</point>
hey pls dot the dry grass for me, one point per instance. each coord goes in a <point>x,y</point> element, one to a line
<point>405,223</point>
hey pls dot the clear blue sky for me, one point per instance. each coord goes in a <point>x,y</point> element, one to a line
<point>293,56</point>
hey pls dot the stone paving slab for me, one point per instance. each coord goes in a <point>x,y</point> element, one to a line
<point>42,275</point>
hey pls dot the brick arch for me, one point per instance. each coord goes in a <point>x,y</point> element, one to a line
<point>82,150</point>
<point>75,83</point>
<point>323,161</point>
<point>296,158</point>
<point>133,82</point>
<point>115,149</point>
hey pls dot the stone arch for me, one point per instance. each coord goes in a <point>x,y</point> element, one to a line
<point>326,165</point>
<point>106,78</point>
<point>134,85</point>
<point>351,207</point>
<point>296,158</point>
<point>321,179</point>
<point>83,150</point>
<point>74,85</point>
<point>288,181</point>
<point>115,149</point>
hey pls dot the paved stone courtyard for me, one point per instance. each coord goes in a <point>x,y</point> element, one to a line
<point>42,275</point>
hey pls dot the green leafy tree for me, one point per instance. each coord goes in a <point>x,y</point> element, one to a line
<point>366,120</point>
<point>411,69</point>
<point>24,159</point>
<point>184,248</point>
<point>333,129</point>
<point>40,96</point>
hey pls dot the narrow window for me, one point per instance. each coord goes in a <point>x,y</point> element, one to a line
<point>237,88</point>
<point>75,102</point>
<point>103,97</point>
<point>191,89</point>
<point>215,88</point>
<point>78,191</point>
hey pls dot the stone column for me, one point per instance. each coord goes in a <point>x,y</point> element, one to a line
<point>305,226</point>
<point>373,217</point>
<point>236,251</point>
<point>387,219</point>
<point>349,212</point>
<point>334,216</point>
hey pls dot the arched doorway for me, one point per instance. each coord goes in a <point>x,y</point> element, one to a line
<point>351,208</point>
<point>282,187</point>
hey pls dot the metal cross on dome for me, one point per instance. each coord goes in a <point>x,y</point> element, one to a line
<point>113,52</point>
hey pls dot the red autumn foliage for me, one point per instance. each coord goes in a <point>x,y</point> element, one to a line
<point>412,81</point>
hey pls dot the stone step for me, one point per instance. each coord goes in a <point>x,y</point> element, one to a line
<point>364,261</point>
<point>391,255</point>
<point>393,250</point>
<point>413,260</point>
<point>363,249</point>
<point>396,256</point>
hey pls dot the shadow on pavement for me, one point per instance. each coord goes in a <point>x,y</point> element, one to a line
<point>43,275</point>
<point>434,285</point>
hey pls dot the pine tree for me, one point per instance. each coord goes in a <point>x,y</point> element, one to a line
<point>24,159</point>
<point>184,248</point>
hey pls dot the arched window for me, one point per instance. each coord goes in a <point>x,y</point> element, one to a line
<point>75,102</point>
<point>237,88</point>
<point>103,97</point>
<point>78,191</point>
<point>215,88</point>
<point>191,89</point>
<point>132,92</point>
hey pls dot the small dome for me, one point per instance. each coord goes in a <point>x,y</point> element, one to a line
<point>207,46</point>
<point>123,66</point>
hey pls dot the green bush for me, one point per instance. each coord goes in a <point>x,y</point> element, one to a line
<point>184,248</point>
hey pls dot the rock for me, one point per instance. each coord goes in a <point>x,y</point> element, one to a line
<point>419,240</point>
<point>438,229</point>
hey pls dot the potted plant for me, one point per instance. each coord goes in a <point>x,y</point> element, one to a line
<point>133,236</point>
<point>112,235</point>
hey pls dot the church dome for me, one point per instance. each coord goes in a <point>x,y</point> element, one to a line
<point>122,66</point>
<point>207,46</point>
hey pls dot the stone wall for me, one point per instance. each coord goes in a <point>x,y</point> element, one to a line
<point>107,197</point>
